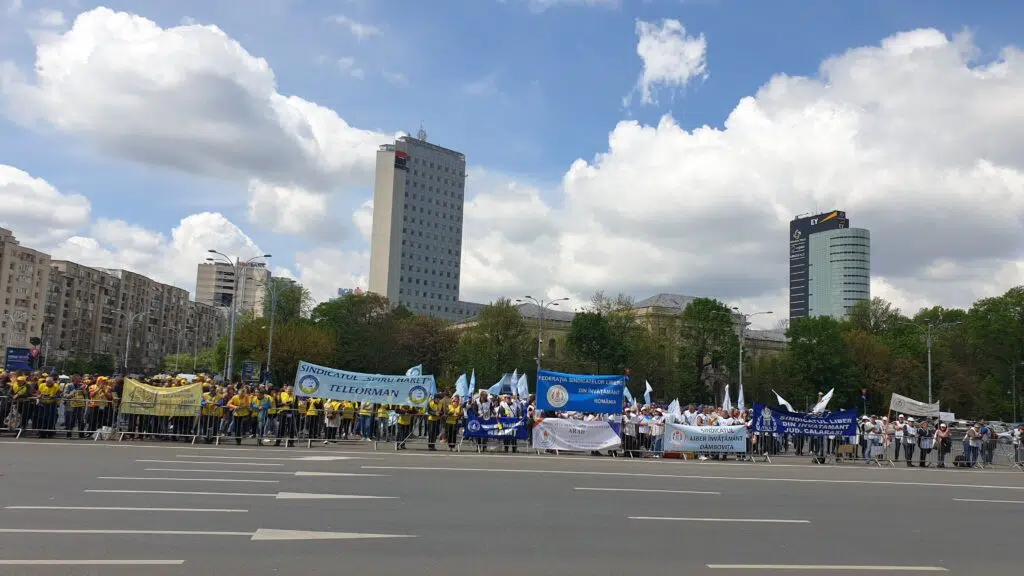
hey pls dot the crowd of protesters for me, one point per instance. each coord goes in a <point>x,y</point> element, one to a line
<point>83,405</point>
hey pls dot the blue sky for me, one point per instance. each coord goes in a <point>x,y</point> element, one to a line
<point>523,91</point>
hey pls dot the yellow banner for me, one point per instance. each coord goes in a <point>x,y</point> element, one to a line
<point>139,398</point>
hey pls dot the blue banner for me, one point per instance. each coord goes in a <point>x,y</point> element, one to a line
<point>497,428</point>
<point>843,423</point>
<point>18,359</point>
<point>580,392</point>
<point>322,382</point>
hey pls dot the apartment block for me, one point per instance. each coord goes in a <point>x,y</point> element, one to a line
<point>24,281</point>
<point>217,284</point>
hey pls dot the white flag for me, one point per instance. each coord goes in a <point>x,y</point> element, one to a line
<point>415,371</point>
<point>647,392</point>
<point>727,402</point>
<point>782,401</point>
<point>674,408</point>
<point>820,406</point>
<point>522,388</point>
<point>739,400</point>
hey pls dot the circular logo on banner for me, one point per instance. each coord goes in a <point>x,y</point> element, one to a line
<point>558,396</point>
<point>308,384</point>
<point>677,436</point>
<point>418,395</point>
<point>473,426</point>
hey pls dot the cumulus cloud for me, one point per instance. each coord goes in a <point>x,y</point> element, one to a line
<point>287,210</point>
<point>170,259</point>
<point>324,270</point>
<point>358,29</point>
<point>911,137</point>
<point>188,98</point>
<point>40,215</point>
<point>671,58</point>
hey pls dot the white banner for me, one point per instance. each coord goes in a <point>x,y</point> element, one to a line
<point>714,439</point>
<point>561,434</point>
<point>913,407</point>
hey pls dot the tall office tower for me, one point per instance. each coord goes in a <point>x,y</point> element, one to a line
<point>24,285</point>
<point>416,244</point>
<point>216,285</point>
<point>829,265</point>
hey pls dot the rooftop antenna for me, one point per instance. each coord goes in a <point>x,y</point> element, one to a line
<point>422,134</point>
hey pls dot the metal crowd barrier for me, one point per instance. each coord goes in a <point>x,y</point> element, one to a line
<point>75,418</point>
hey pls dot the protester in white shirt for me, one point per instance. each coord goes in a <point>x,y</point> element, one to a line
<point>909,441</point>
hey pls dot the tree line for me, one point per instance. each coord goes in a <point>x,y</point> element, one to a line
<point>977,354</point>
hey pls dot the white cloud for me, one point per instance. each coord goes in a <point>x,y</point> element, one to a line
<point>188,98</point>
<point>671,58</point>
<point>39,214</point>
<point>396,78</point>
<point>324,270</point>
<point>363,219</point>
<point>287,209</point>
<point>50,18</point>
<point>358,29</point>
<point>347,65</point>
<point>543,5</point>
<point>910,137</point>
<point>173,259</point>
<point>14,7</point>
<point>485,86</point>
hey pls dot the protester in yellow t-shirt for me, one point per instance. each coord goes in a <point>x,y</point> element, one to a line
<point>240,406</point>
<point>452,414</point>
<point>348,414</point>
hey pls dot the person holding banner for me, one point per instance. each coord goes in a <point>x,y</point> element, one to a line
<point>484,409</point>
<point>452,414</point>
<point>434,408</point>
<point>240,406</point>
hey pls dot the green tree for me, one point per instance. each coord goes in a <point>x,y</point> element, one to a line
<point>428,341</point>
<point>709,349</point>
<point>499,342</point>
<point>821,361</point>
<point>287,300</point>
<point>365,329</point>
<point>589,339</point>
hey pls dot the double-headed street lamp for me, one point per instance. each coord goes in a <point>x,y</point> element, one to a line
<point>543,306</point>
<point>131,318</point>
<point>929,329</point>
<point>236,265</point>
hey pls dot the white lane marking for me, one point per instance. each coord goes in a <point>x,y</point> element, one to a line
<point>217,471</point>
<point>207,462</point>
<point>296,459</point>
<point>91,562</point>
<point>159,479</point>
<point>642,490</point>
<point>826,568</point>
<point>692,477</point>
<point>270,534</point>
<point>730,520</point>
<point>278,496</point>
<point>304,473</point>
<point>261,534</point>
<point>989,501</point>
<point>127,509</point>
<point>305,496</point>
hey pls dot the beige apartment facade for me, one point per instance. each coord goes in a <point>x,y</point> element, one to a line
<point>217,283</point>
<point>24,281</point>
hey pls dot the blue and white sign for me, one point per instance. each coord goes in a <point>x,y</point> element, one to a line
<point>18,359</point>
<point>496,428</point>
<point>322,382</point>
<point>579,392</point>
<point>842,423</point>
<point>713,439</point>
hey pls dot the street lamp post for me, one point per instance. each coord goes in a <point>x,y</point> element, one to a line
<point>743,332</point>
<point>236,265</point>
<point>929,331</point>
<point>273,314</point>
<point>128,339</point>
<point>543,305</point>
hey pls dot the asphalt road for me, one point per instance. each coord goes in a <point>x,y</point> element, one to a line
<point>169,509</point>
